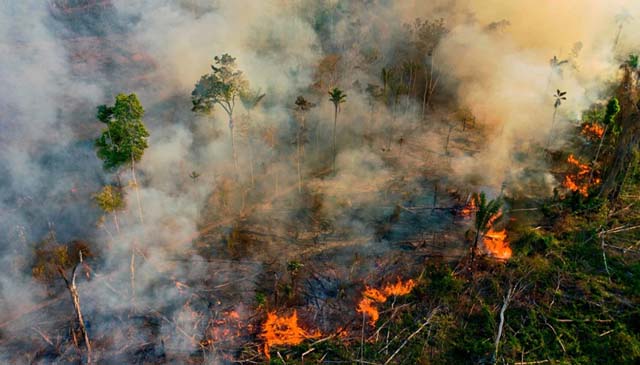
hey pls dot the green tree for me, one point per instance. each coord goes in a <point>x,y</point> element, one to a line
<point>124,140</point>
<point>337,97</point>
<point>613,107</point>
<point>122,143</point>
<point>250,100</point>
<point>222,87</point>
<point>632,61</point>
<point>110,200</point>
<point>486,214</point>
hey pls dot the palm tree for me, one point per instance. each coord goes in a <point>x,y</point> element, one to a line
<point>250,100</point>
<point>302,107</point>
<point>559,96</point>
<point>337,97</point>
<point>486,214</point>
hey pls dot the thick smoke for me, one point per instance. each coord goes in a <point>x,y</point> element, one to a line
<point>494,61</point>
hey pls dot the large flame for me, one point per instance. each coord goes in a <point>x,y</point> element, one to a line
<point>594,131</point>
<point>497,244</point>
<point>371,296</point>
<point>496,241</point>
<point>283,330</point>
<point>580,180</point>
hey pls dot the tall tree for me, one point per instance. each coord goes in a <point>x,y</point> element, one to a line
<point>627,142</point>
<point>486,214</point>
<point>124,140</point>
<point>613,107</point>
<point>301,108</point>
<point>250,100</point>
<point>337,97</point>
<point>222,87</point>
<point>122,143</point>
<point>559,97</point>
<point>374,93</point>
<point>426,35</point>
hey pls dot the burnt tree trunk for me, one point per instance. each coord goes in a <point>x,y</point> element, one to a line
<point>75,297</point>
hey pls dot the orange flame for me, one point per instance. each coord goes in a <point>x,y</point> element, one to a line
<point>496,241</point>
<point>593,131</point>
<point>469,208</point>
<point>227,328</point>
<point>580,180</point>
<point>284,330</point>
<point>400,288</point>
<point>497,244</point>
<point>371,296</point>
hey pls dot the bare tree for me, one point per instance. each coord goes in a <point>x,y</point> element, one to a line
<point>75,297</point>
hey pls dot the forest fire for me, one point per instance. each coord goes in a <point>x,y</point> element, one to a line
<point>283,330</point>
<point>497,244</point>
<point>579,182</point>
<point>594,131</point>
<point>227,328</point>
<point>496,241</point>
<point>371,296</point>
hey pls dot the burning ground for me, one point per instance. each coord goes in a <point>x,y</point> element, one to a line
<point>444,207</point>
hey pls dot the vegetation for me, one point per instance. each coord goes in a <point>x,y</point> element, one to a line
<point>222,87</point>
<point>396,260</point>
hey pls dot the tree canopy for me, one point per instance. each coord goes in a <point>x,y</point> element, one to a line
<point>125,137</point>
<point>222,86</point>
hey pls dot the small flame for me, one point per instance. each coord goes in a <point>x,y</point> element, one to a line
<point>594,131</point>
<point>371,296</point>
<point>400,288</point>
<point>283,330</point>
<point>469,208</point>
<point>227,328</point>
<point>580,180</point>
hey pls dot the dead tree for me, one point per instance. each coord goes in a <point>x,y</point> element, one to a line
<point>73,290</point>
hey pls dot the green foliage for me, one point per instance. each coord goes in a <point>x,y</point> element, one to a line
<point>486,211</point>
<point>125,137</point>
<point>632,61</point>
<point>533,242</point>
<point>293,267</point>
<point>613,107</point>
<point>222,86</point>
<point>337,97</point>
<point>109,199</point>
